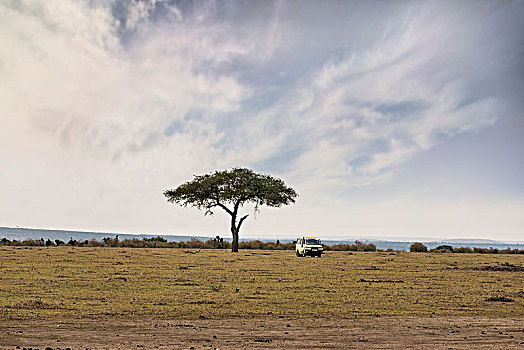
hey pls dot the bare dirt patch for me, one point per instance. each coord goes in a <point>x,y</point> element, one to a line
<point>367,332</point>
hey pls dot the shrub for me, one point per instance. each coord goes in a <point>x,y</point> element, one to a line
<point>370,247</point>
<point>193,243</point>
<point>463,250</point>
<point>418,247</point>
<point>215,243</point>
<point>358,246</point>
<point>133,243</point>
<point>353,248</point>
<point>94,243</point>
<point>110,242</point>
<point>445,247</point>
<point>32,242</point>
<point>338,247</point>
<point>154,239</point>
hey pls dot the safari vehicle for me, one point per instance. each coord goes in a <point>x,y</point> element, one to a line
<point>309,245</point>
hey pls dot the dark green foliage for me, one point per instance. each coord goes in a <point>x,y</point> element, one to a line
<point>230,190</point>
<point>418,247</point>
<point>449,249</point>
<point>238,185</point>
<point>445,247</point>
<point>155,239</point>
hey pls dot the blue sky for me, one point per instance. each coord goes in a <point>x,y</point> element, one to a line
<point>389,118</point>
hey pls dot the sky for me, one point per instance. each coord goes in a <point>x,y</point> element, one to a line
<point>389,118</point>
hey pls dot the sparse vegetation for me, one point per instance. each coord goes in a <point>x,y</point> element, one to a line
<point>219,243</point>
<point>120,282</point>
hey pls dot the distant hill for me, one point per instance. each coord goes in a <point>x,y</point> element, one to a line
<point>418,239</point>
<point>466,240</point>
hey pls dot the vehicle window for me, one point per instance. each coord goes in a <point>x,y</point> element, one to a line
<point>312,241</point>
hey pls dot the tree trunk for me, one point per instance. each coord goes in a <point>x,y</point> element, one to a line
<point>234,244</point>
<point>235,229</point>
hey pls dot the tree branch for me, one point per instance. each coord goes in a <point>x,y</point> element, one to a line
<point>225,208</point>
<point>237,204</point>
<point>241,221</point>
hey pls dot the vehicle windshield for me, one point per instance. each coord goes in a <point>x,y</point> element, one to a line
<point>312,241</point>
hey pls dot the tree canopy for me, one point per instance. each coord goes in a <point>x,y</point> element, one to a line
<point>230,190</point>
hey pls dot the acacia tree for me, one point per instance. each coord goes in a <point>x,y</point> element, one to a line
<point>230,190</point>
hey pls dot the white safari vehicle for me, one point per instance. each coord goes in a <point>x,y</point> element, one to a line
<point>309,245</point>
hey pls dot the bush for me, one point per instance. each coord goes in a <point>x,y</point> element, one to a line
<point>339,247</point>
<point>445,247</point>
<point>463,250</point>
<point>370,247</point>
<point>154,239</point>
<point>32,242</point>
<point>110,242</point>
<point>357,246</point>
<point>418,247</point>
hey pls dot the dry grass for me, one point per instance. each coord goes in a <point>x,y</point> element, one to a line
<point>171,283</point>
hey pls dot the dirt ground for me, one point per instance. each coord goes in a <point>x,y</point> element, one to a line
<point>364,332</point>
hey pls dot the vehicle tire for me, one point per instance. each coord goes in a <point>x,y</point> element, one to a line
<point>298,255</point>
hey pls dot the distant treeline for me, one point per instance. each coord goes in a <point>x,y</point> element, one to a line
<point>160,242</point>
<point>421,248</point>
<point>220,243</point>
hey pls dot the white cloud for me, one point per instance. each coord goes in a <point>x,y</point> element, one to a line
<point>382,95</point>
<point>105,103</point>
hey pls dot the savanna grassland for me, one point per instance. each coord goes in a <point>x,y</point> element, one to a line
<point>117,285</point>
